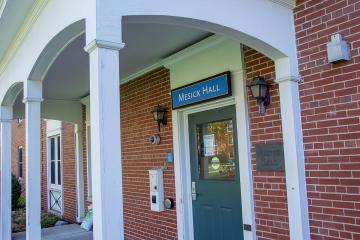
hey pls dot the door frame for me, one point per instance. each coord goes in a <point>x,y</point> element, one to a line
<point>54,128</point>
<point>182,158</point>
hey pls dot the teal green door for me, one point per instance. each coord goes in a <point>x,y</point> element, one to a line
<point>215,175</point>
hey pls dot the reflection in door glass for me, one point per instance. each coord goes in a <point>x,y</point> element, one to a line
<point>216,154</point>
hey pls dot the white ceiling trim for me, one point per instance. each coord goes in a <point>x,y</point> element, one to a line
<point>286,3</point>
<point>187,52</point>
<point>30,19</point>
<point>2,6</point>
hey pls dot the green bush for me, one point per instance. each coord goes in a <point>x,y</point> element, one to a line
<point>15,191</point>
<point>48,220</point>
<point>21,202</point>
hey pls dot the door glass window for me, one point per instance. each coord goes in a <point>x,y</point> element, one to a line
<point>52,172</point>
<point>52,148</point>
<point>216,153</point>
<point>20,162</point>
<point>55,161</point>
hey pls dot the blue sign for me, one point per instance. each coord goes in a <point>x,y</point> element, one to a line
<point>215,87</point>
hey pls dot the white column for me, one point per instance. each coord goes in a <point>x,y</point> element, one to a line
<point>244,146</point>
<point>105,140</point>
<point>32,100</point>
<point>79,172</point>
<point>5,180</point>
<point>294,158</point>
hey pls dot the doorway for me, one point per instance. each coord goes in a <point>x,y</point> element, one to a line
<point>55,174</point>
<point>215,178</point>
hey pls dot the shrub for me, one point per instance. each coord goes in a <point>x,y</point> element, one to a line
<point>21,204</point>
<point>15,191</point>
<point>48,220</point>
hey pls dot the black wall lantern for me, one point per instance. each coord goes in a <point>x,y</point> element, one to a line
<point>260,90</point>
<point>159,115</point>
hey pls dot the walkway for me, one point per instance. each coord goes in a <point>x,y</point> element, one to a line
<point>66,232</point>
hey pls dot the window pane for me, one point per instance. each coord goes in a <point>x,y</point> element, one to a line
<point>59,173</point>
<point>216,150</point>
<point>52,172</point>
<point>20,162</point>
<point>20,153</point>
<point>52,148</point>
<point>58,148</point>
<point>20,170</point>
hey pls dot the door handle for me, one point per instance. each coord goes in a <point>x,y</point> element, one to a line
<point>193,191</point>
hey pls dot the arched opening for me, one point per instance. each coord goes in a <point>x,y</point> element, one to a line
<point>12,94</point>
<point>54,48</point>
<point>213,28</point>
<point>59,80</point>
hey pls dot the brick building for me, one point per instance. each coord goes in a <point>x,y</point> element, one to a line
<point>59,198</point>
<point>284,165</point>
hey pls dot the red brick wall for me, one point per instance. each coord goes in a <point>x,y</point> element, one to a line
<point>138,98</point>
<point>330,103</point>
<point>18,139</point>
<point>269,187</point>
<point>69,172</point>
<point>44,167</point>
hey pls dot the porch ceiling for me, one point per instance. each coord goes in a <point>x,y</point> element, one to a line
<point>146,44</point>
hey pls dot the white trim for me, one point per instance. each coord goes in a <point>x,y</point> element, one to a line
<point>290,78</point>
<point>86,101</point>
<point>2,6</point>
<point>182,160</point>
<point>28,99</point>
<point>244,152</point>
<point>50,134</point>
<point>5,180</point>
<point>187,52</point>
<point>80,201</point>
<point>103,44</point>
<point>88,161</point>
<point>29,21</point>
<point>298,214</point>
<point>286,3</point>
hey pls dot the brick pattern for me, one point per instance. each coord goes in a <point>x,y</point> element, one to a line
<point>69,172</point>
<point>18,139</point>
<point>330,103</point>
<point>269,187</point>
<point>44,168</point>
<point>138,98</point>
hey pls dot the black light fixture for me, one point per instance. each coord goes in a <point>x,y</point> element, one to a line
<point>159,115</point>
<point>260,90</point>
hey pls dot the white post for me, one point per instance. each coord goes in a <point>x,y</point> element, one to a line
<point>105,140</point>
<point>5,180</point>
<point>79,172</point>
<point>32,100</point>
<point>244,146</point>
<point>294,158</point>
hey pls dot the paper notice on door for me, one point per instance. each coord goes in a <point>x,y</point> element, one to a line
<point>209,145</point>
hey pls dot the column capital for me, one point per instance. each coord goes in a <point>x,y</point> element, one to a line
<point>288,78</point>
<point>238,71</point>
<point>29,99</point>
<point>103,44</point>
<point>6,114</point>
